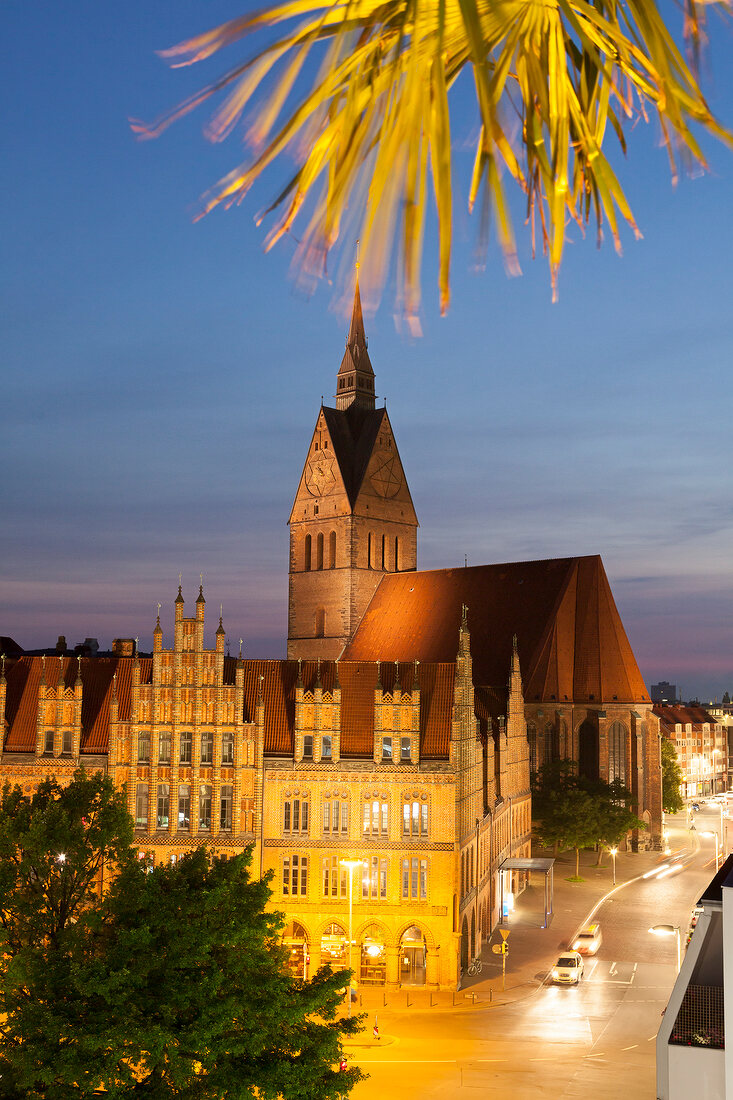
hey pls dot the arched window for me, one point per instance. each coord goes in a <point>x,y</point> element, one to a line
<point>319,552</point>
<point>163,805</point>
<point>588,750</point>
<point>617,752</point>
<point>48,743</point>
<point>532,741</point>
<point>396,555</point>
<point>370,551</point>
<point>307,553</point>
<point>384,552</point>
<point>332,550</point>
<point>320,623</point>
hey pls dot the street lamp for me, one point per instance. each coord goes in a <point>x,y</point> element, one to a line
<point>351,864</point>
<point>614,853</point>
<point>711,832</point>
<point>670,930</point>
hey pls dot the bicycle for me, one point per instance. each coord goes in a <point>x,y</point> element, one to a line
<point>476,967</point>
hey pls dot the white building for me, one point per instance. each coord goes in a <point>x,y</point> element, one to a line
<point>692,1060</point>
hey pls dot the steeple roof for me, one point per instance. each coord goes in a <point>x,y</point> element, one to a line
<point>355,381</point>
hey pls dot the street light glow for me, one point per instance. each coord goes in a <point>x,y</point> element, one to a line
<point>669,930</point>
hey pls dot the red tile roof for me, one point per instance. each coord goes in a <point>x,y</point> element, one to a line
<point>572,644</point>
<point>279,678</point>
<point>671,714</point>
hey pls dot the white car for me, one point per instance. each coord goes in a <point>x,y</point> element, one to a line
<point>568,970</point>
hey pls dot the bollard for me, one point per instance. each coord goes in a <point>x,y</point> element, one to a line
<point>454,998</point>
<point>384,1000</point>
<point>407,999</point>
<point>431,1000</point>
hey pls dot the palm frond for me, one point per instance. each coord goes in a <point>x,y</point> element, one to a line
<point>553,80</point>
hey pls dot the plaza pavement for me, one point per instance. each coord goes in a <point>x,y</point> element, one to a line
<point>532,948</point>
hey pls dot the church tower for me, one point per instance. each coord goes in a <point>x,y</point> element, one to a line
<point>353,519</point>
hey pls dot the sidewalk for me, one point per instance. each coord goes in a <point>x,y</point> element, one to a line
<point>532,949</point>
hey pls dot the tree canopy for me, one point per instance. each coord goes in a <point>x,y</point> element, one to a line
<point>173,984</point>
<point>570,811</point>
<point>359,94</point>
<point>672,801</point>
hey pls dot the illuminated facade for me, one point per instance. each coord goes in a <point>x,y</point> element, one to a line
<point>701,743</point>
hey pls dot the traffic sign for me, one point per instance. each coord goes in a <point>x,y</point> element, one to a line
<point>504,932</point>
<point>498,948</point>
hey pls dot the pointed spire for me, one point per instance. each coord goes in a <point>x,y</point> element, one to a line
<point>78,669</point>
<point>220,629</point>
<point>379,674</point>
<point>416,679</point>
<point>2,668</point>
<point>158,627</point>
<point>179,597</point>
<point>397,686</point>
<point>43,668</point>
<point>336,681</point>
<point>300,673</point>
<point>259,690</point>
<point>114,687</point>
<point>318,673</point>
<point>200,597</point>
<point>355,382</point>
<point>241,643</point>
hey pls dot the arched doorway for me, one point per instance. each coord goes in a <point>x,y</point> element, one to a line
<point>588,750</point>
<point>413,956</point>
<point>464,945</point>
<point>295,941</point>
<point>373,957</point>
<point>473,934</point>
<point>334,947</point>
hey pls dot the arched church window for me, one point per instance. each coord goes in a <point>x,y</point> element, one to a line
<point>307,562</point>
<point>396,555</point>
<point>370,551</point>
<point>617,752</point>
<point>319,552</point>
<point>532,741</point>
<point>384,552</point>
<point>320,622</point>
<point>332,550</point>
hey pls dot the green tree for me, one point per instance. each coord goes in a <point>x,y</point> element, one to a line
<point>569,819</point>
<point>172,985</point>
<point>726,699</point>
<point>616,817</point>
<point>672,801</point>
<point>360,96</point>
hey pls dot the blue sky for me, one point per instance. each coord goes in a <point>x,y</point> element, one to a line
<point>161,378</point>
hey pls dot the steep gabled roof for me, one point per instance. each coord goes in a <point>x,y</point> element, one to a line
<point>673,714</point>
<point>572,643</point>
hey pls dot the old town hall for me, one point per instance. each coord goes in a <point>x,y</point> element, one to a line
<point>385,763</point>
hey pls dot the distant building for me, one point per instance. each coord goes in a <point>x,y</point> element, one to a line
<point>692,1059</point>
<point>702,748</point>
<point>664,692</point>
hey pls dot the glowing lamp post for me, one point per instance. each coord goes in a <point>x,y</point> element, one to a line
<point>614,853</point>
<point>711,832</point>
<point>670,930</point>
<point>351,864</point>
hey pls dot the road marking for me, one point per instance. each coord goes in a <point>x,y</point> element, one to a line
<point>613,970</point>
<point>632,1047</point>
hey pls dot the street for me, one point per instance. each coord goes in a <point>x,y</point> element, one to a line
<point>594,1039</point>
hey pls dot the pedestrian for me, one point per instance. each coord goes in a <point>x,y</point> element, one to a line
<point>375,1029</point>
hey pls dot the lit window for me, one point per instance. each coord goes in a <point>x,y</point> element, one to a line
<point>226,808</point>
<point>184,806</point>
<point>143,747</point>
<point>141,806</point>
<point>335,816</point>
<point>227,747</point>
<point>207,747</point>
<point>374,880</point>
<point>415,879</point>
<point>334,878</point>
<point>376,817</point>
<point>163,805</point>
<point>205,806</point>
